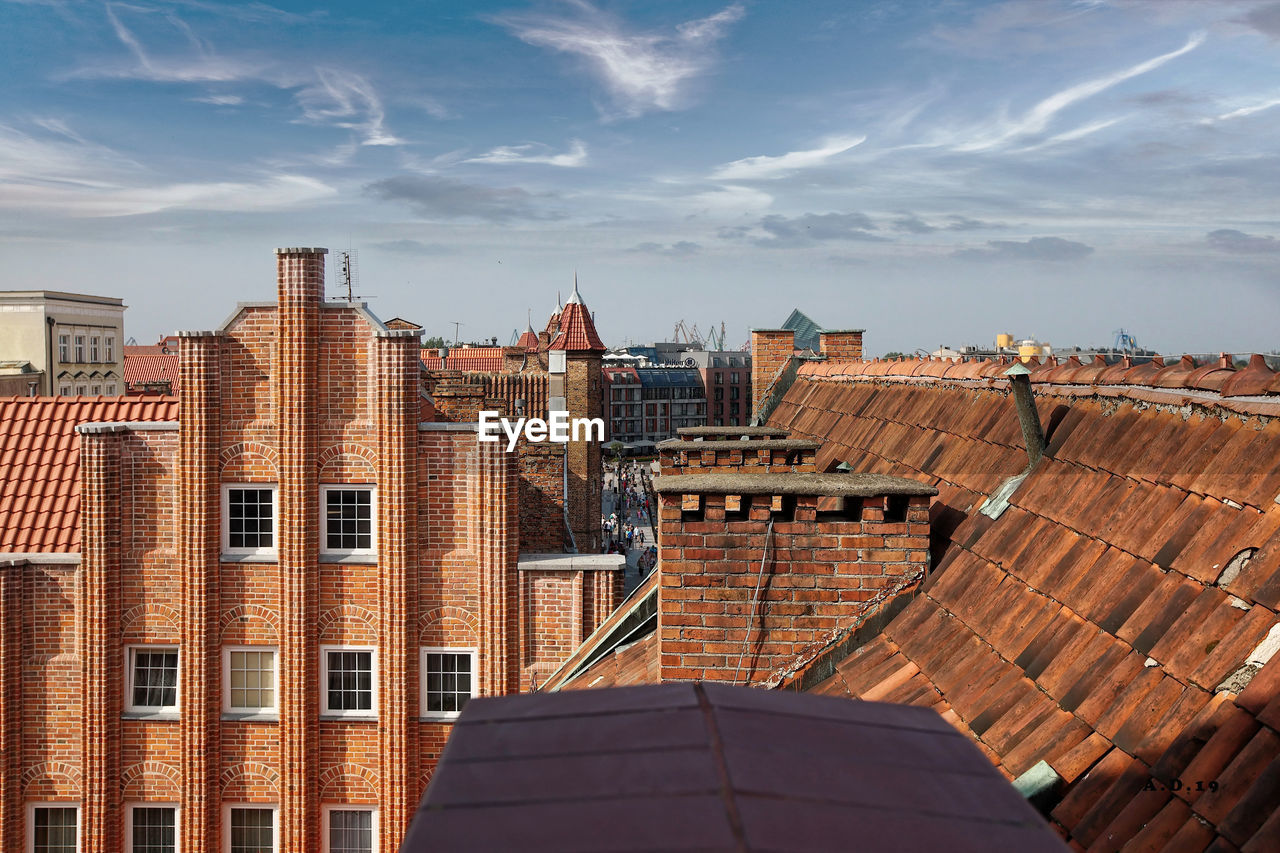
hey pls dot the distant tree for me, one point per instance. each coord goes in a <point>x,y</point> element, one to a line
<point>894,354</point>
<point>433,343</point>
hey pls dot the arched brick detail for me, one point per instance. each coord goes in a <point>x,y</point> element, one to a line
<point>151,780</point>
<point>249,461</point>
<point>141,621</point>
<point>347,462</point>
<point>253,611</point>
<point>237,783</point>
<point>450,622</point>
<point>330,621</point>
<point>349,783</point>
<point>51,780</point>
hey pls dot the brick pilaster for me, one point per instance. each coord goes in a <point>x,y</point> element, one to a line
<point>11,836</point>
<point>770,350</point>
<point>495,538</point>
<point>198,536</point>
<point>300,290</point>
<point>98,639</point>
<point>398,374</point>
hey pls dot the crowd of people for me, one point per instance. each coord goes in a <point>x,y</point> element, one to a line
<point>626,526</point>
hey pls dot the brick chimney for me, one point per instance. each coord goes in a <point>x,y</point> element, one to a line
<point>841,344</point>
<point>754,576</point>
<point>770,351</point>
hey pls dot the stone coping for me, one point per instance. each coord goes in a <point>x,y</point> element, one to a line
<point>733,430</point>
<point>676,444</point>
<point>826,485</point>
<point>572,562</point>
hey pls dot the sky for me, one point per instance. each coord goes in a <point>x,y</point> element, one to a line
<point>933,172</point>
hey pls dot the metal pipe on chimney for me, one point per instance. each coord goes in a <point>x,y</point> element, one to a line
<point>1028,417</point>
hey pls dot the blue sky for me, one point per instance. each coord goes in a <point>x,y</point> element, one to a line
<point>935,172</point>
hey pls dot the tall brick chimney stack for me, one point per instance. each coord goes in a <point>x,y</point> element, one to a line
<point>841,344</point>
<point>754,575</point>
<point>770,350</point>
<point>300,289</point>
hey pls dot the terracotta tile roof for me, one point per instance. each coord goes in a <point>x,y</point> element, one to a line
<point>577,331</point>
<point>479,359</point>
<point>1216,376</point>
<point>1106,620</point>
<point>529,340</point>
<point>151,367</point>
<point>145,349</point>
<point>712,767</point>
<point>40,464</point>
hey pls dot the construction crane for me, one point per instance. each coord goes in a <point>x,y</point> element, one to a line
<point>1125,342</point>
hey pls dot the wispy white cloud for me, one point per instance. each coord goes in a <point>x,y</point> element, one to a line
<point>1037,119</point>
<point>750,168</point>
<point>1072,135</point>
<point>1244,111</point>
<point>61,172</point>
<point>220,100</point>
<point>346,100</point>
<point>325,95</point>
<point>534,153</point>
<point>642,71</point>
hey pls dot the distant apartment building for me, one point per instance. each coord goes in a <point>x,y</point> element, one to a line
<point>726,380</point>
<point>73,340</point>
<point>649,404</point>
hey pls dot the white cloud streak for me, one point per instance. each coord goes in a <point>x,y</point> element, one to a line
<point>642,71</point>
<point>1038,118</point>
<point>325,95</point>
<point>755,168</point>
<point>513,154</point>
<point>1242,112</point>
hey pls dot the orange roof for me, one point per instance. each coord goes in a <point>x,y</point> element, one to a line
<point>577,332</point>
<point>482,359</point>
<point>529,340</point>
<point>1105,622</point>
<point>140,369</point>
<point>40,464</point>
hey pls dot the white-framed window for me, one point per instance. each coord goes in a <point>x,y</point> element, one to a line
<point>249,518</point>
<point>249,680</point>
<point>151,828</point>
<point>64,348</point>
<point>96,390</point>
<point>151,679</point>
<point>109,348</point>
<point>111,390</point>
<point>348,519</point>
<point>350,829</point>
<point>448,679</point>
<point>79,349</point>
<point>80,390</point>
<point>64,390</point>
<point>95,348</point>
<point>348,681</point>
<point>249,827</point>
<point>53,827</point>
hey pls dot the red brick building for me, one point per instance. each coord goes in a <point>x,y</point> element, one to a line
<point>253,621</point>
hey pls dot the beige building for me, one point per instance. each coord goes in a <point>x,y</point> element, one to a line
<point>74,340</point>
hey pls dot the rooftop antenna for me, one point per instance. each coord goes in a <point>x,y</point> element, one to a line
<point>349,274</point>
<point>456,326</point>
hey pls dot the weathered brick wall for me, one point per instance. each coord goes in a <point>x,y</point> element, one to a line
<point>558,610</point>
<point>818,576</point>
<point>541,498</point>
<point>584,398</point>
<point>770,349</point>
<point>844,345</point>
